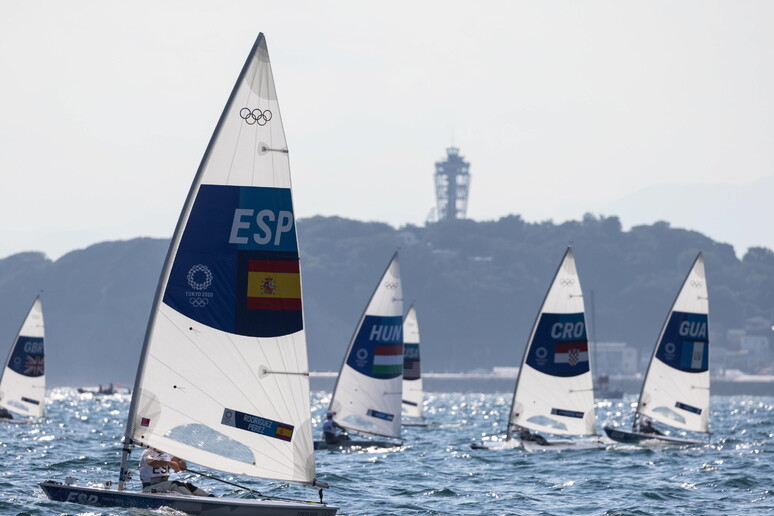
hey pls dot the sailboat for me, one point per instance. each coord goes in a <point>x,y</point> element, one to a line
<point>554,392</point>
<point>368,392</point>
<point>413,396</point>
<point>223,376</point>
<point>23,379</point>
<point>676,387</point>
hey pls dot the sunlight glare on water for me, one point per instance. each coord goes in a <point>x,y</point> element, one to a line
<point>435,472</point>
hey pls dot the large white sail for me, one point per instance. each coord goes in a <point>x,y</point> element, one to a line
<point>676,387</point>
<point>554,390</point>
<point>23,382</point>
<point>223,376</point>
<point>367,396</point>
<point>413,396</point>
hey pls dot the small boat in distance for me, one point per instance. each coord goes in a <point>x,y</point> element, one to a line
<point>223,377</point>
<point>368,392</point>
<point>413,396</point>
<point>676,388</point>
<point>104,390</point>
<point>23,379</point>
<point>554,392</point>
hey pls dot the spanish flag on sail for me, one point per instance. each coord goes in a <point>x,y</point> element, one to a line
<point>273,285</point>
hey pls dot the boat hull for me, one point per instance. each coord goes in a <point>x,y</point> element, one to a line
<point>348,445</point>
<point>566,444</point>
<point>622,436</point>
<point>211,506</point>
<point>584,444</point>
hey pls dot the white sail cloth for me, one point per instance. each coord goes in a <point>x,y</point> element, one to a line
<point>223,378</point>
<point>367,396</point>
<point>413,395</point>
<point>676,387</point>
<point>23,381</point>
<point>554,391</point>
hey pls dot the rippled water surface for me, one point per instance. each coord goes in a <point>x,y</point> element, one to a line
<point>436,472</point>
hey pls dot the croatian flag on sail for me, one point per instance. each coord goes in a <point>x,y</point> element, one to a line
<point>571,353</point>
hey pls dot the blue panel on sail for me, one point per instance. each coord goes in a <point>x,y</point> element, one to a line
<point>236,268</point>
<point>27,358</point>
<point>689,408</point>
<point>378,348</point>
<point>411,369</point>
<point>380,415</point>
<point>567,413</point>
<point>560,347</point>
<point>685,343</point>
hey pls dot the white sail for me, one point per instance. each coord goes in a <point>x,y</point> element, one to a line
<point>223,378</point>
<point>676,387</point>
<point>554,391</point>
<point>23,382</point>
<point>413,396</point>
<point>367,396</point>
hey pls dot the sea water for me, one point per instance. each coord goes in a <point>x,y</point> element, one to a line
<point>435,471</point>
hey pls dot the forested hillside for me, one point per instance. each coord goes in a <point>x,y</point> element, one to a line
<point>477,287</point>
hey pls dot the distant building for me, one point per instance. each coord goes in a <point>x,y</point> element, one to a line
<point>749,349</point>
<point>610,358</point>
<point>452,181</point>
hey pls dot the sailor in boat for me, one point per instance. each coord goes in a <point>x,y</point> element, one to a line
<point>154,474</point>
<point>525,435</point>
<point>108,389</point>
<point>331,430</point>
<point>646,427</point>
<point>4,414</point>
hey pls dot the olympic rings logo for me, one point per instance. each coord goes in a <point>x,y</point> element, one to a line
<point>199,302</point>
<point>567,282</point>
<point>697,284</point>
<point>255,116</point>
<point>391,284</point>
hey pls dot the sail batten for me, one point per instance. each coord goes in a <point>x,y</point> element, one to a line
<point>227,321</point>
<point>554,391</point>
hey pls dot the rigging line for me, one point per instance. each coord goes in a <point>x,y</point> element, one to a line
<point>247,488</point>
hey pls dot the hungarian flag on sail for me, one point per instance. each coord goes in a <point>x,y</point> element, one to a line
<point>273,285</point>
<point>388,360</point>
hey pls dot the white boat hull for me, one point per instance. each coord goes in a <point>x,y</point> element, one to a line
<point>210,506</point>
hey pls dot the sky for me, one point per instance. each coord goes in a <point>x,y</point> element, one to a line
<point>561,107</point>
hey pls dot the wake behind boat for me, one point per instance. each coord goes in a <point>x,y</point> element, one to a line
<point>367,396</point>
<point>223,376</point>
<point>676,387</point>
<point>554,392</point>
<point>23,379</point>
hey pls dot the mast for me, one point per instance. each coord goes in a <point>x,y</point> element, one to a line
<point>168,262</point>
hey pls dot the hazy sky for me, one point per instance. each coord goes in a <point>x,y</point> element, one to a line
<point>562,108</point>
